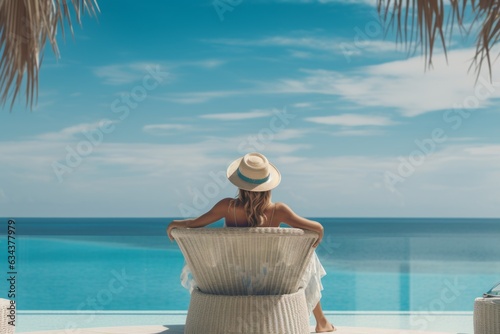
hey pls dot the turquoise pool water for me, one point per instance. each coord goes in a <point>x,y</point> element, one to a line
<point>424,265</point>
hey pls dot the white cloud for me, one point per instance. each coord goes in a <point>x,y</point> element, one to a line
<point>119,74</point>
<point>493,150</point>
<point>208,63</point>
<point>301,54</point>
<point>313,43</point>
<point>154,179</point>
<point>303,105</point>
<point>357,132</point>
<point>165,129</point>
<point>134,179</point>
<point>401,85</point>
<point>372,3</point>
<point>352,120</point>
<point>451,182</point>
<point>356,47</point>
<point>238,115</point>
<point>199,97</point>
<point>3,197</point>
<point>203,63</point>
<point>124,73</point>
<point>310,42</point>
<point>71,132</point>
<point>463,139</point>
<point>287,134</point>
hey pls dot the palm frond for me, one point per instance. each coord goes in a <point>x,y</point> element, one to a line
<point>425,21</point>
<point>25,26</point>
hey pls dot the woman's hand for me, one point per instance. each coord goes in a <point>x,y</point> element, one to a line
<point>217,212</point>
<point>172,225</point>
<point>320,237</point>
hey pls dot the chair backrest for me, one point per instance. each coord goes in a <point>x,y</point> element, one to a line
<point>246,260</point>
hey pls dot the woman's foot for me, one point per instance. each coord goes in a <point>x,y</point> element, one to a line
<point>324,327</point>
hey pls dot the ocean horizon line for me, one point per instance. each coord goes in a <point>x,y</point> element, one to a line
<point>308,217</point>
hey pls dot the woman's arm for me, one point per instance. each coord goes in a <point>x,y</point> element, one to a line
<point>287,216</point>
<point>217,212</point>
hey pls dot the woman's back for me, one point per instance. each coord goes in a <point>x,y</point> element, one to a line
<point>237,217</point>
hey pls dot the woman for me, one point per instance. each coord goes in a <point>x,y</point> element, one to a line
<point>255,177</point>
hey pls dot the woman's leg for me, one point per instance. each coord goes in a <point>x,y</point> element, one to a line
<point>322,324</point>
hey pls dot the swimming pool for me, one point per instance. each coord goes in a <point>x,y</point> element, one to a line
<point>424,266</point>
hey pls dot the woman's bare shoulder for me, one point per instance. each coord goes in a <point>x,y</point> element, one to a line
<point>286,215</point>
<point>225,202</point>
<point>283,212</point>
<point>282,207</point>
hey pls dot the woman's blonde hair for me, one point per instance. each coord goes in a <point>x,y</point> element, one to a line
<point>254,203</point>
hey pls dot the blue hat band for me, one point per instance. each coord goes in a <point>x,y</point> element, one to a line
<point>249,180</point>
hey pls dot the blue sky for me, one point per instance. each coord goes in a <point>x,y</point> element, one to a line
<point>148,105</point>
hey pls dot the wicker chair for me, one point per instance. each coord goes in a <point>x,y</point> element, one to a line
<point>5,312</point>
<point>487,315</point>
<point>248,279</point>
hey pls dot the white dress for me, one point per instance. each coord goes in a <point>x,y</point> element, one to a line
<point>311,281</point>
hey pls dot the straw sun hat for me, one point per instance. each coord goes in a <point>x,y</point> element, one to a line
<point>253,172</point>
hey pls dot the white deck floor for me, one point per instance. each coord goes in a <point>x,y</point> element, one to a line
<point>179,329</point>
<point>172,322</point>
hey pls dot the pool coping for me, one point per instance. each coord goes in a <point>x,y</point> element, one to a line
<point>393,322</point>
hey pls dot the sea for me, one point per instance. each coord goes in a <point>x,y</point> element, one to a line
<point>372,264</point>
